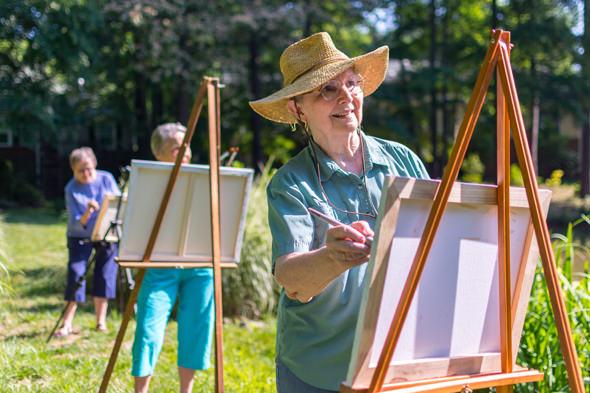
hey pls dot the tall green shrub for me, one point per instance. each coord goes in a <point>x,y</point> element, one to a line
<point>539,347</point>
<point>250,290</point>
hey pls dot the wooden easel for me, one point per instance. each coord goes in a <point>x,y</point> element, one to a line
<point>210,87</point>
<point>508,116</point>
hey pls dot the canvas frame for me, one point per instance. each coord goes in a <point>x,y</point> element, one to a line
<point>107,213</point>
<point>190,204</point>
<point>396,190</point>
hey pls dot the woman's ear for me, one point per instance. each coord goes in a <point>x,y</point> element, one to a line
<point>295,110</point>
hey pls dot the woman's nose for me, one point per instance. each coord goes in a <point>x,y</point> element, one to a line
<point>344,95</point>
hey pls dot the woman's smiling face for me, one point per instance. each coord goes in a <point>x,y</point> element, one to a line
<point>84,171</point>
<point>336,107</point>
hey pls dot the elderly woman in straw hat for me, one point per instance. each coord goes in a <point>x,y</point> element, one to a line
<point>341,173</point>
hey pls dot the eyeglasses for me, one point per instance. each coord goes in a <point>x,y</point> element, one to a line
<point>331,89</point>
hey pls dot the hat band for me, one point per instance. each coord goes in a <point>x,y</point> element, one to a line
<point>315,67</point>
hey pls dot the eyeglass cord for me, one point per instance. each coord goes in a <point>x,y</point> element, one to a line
<point>373,212</point>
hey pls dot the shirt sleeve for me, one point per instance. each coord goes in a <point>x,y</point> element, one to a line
<point>406,161</point>
<point>74,207</point>
<point>419,168</point>
<point>290,224</point>
<point>111,185</point>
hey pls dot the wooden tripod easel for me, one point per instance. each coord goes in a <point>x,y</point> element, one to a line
<point>508,116</point>
<point>210,87</point>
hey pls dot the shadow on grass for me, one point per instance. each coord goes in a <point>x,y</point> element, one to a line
<point>39,216</point>
<point>39,308</point>
<point>43,281</point>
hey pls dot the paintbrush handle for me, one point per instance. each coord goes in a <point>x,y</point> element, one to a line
<point>333,222</point>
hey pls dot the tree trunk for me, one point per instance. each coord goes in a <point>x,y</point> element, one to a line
<point>308,18</point>
<point>141,117</point>
<point>494,14</point>
<point>409,113</point>
<point>157,106</point>
<point>181,102</point>
<point>534,125</point>
<point>181,99</point>
<point>253,71</point>
<point>446,124</point>
<point>433,101</point>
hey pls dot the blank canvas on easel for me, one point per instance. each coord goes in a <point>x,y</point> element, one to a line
<point>452,327</point>
<point>104,229</point>
<point>186,228</point>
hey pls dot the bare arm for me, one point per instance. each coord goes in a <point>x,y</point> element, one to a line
<point>305,275</point>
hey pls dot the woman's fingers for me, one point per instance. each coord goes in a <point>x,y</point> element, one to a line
<point>363,227</point>
<point>342,232</point>
<point>345,239</point>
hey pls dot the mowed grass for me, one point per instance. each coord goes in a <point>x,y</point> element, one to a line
<point>34,246</point>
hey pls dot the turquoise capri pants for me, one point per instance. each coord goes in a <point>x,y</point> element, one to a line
<point>157,296</point>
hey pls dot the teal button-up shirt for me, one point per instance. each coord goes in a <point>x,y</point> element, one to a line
<point>314,340</point>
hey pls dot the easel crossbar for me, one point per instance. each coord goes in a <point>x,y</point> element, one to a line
<point>173,264</point>
<point>457,383</point>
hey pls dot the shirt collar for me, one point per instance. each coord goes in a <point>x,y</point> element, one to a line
<point>373,156</point>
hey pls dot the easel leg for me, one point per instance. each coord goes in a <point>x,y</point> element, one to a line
<point>121,334</point>
<point>503,191</point>
<point>214,150</point>
<point>504,389</point>
<point>566,342</point>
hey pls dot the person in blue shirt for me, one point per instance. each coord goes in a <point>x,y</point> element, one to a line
<point>159,291</point>
<point>83,193</point>
<point>341,173</point>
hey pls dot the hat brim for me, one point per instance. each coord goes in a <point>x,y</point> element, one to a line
<point>371,66</point>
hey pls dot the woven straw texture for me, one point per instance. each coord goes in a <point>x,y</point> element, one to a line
<point>313,61</point>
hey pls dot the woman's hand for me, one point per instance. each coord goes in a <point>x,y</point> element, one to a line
<point>91,207</point>
<point>348,244</point>
<point>306,274</point>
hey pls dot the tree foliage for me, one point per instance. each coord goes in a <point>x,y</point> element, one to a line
<point>106,72</point>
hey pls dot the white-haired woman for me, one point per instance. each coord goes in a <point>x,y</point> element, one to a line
<point>83,193</point>
<point>161,287</point>
<point>341,173</point>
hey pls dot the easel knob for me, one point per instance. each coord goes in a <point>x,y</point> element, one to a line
<point>466,389</point>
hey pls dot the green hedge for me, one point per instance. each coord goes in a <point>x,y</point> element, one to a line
<point>539,347</point>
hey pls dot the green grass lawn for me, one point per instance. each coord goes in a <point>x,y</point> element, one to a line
<point>32,244</point>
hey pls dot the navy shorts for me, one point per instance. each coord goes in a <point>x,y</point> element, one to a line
<point>104,283</point>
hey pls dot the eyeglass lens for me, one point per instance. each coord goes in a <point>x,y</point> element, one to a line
<point>331,90</point>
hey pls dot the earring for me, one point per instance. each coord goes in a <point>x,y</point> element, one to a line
<point>306,126</point>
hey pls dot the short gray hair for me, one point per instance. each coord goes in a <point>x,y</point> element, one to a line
<point>164,132</point>
<point>80,154</point>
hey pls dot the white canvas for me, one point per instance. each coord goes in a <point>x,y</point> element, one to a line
<point>185,234</point>
<point>455,311</point>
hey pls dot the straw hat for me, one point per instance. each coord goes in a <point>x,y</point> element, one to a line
<point>313,61</point>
